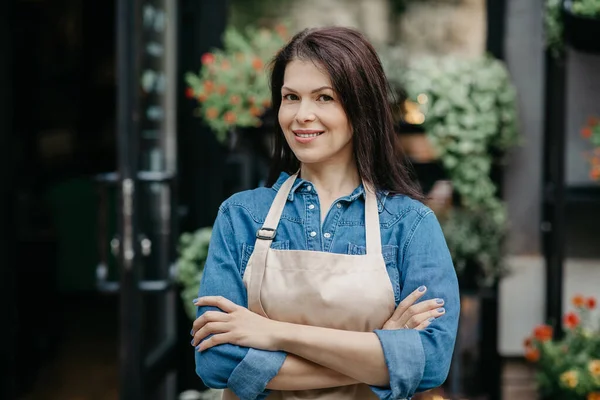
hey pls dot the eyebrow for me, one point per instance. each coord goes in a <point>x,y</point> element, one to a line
<point>313,91</point>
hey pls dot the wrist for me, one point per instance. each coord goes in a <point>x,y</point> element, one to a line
<point>283,333</point>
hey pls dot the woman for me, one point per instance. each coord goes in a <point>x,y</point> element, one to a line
<point>302,288</point>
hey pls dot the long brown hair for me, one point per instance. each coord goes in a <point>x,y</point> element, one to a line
<point>357,76</point>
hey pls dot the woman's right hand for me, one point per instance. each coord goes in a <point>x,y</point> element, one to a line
<point>409,315</point>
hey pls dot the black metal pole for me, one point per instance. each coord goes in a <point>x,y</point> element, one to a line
<point>130,356</point>
<point>8,296</point>
<point>553,210</point>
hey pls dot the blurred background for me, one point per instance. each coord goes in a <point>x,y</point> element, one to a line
<point>124,125</point>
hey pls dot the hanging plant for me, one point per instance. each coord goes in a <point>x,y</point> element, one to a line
<point>232,88</point>
<point>591,132</point>
<point>577,21</point>
<point>470,118</point>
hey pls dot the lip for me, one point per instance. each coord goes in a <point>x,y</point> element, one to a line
<point>305,140</point>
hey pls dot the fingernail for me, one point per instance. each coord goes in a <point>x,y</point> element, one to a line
<point>192,332</point>
<point>195,300</point>
<point>441,310</point>
<point>198,348</point>
<point>431,319</point>
<point>439,301</point>
<point>192,342</point>
<point>422,289</point>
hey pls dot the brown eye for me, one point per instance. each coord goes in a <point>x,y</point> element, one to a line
<point>325,97</point>
<point>290,97</point>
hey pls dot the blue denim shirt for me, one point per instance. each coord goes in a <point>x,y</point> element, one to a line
<point>415,253</point>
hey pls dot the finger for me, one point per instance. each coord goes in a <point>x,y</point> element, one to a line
<point>420,308</point>
<point>216,301</point>
<point>418,319</point>
<point>407,302</point>
<point>423,325</point>
<point>210,328</point>
<point>209,316</point>
<point>214,340</point>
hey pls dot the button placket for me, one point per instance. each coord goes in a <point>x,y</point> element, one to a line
<point>313,240</point>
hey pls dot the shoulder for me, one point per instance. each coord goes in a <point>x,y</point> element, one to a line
<point>255,202</point>
<point>402,209</point>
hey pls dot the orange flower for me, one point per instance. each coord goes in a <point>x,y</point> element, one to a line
<point>591,303</point>
<point>225,65</point>
<point>571,320</point>
<point>234,100</point>
<point>212,113</point>
<point>266,103</point>
<point>594,368</point>
<point>593,396</point>
<point>281,31</point>
<point>222,89</point>
<point>207,58</point>
<point>202,97</point>
<point>257,64</point>
<point>189,93</point>
<point>255,111</point>
<point>543,333</point>
<point>595,174</point>
<point>578,301</point>
<point>592,121</point>
<point>532,354</point>
<point>209,87</point>
<point>586,132</point>
<point>229,117</point>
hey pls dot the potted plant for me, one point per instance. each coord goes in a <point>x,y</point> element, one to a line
<point>582,24</point>
<point>467,112</point>
<point>568,368</point>
<point>231,88</point>
<point>192,251</point>
<point>576,21</point>
<point>591,132</point>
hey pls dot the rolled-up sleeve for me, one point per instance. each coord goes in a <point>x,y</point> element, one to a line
<point>245,371</point>
<point>420,360</point>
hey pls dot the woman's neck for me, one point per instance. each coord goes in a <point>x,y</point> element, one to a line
<point>332,180</point>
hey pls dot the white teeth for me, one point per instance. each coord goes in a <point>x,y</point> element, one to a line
<point>308,135</point>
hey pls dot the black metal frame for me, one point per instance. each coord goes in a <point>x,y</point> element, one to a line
<point>554,190</point>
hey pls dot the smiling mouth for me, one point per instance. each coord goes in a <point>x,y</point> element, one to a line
<point>307,135</point>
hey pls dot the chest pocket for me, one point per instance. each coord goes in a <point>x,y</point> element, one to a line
<point>248,249</point>
<point>390,256</point>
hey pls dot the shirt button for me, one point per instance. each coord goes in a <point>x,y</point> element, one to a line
<point>338,205</point>
<point>311,206</point>
<point>313,234</point>
<point>309,188</point>
<point>327,235</point>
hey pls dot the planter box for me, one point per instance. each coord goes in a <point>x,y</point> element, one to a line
<point>582,33</point>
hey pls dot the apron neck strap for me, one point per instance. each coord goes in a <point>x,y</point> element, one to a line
<point>372,230</point>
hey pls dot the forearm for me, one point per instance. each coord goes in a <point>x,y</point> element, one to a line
<point>358,355</point>
<point>297,373</point>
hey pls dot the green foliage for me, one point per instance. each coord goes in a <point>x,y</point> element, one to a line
<point>471,119</point>
<point>553,22</point>
<point>192,250</point>
<point>232,86</point>
<point>587,8</point>
<point>567,368</point>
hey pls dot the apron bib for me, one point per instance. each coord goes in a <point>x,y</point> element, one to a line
<point>338,291</point>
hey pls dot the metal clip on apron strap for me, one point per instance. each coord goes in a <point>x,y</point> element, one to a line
<point>264,238</point>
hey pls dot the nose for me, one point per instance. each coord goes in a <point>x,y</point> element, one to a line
<point>305,112</point>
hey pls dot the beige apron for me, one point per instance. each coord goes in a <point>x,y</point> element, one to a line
<point>339,291</point>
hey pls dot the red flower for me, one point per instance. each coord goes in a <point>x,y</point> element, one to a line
<point>543,333</point>
<point>257,64</point>
<point>571,320</point>
<point>207,58</point>
<point>527,343</point>
<point>229,117</point>
<point>586,132</point>
<point>532,354</point>
<point>189,93</point>
<point>591,303</point>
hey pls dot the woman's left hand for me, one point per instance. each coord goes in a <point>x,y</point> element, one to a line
<point>234,324</point>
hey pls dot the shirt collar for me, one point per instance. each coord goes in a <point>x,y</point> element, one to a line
<point>303,185</point>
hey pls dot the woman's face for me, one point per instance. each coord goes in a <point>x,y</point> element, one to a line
<point>311,116</point>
